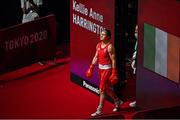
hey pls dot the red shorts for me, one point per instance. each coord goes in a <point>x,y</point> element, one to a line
<point>104,79</point>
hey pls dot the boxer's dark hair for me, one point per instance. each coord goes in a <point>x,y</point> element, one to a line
<point>108,32</point>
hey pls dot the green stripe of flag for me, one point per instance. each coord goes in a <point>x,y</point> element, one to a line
<point>149,47</point>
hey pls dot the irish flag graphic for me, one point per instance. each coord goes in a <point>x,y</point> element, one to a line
<point>161,52</point>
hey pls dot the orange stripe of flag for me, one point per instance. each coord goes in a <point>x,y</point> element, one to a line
<point>173,58</point>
